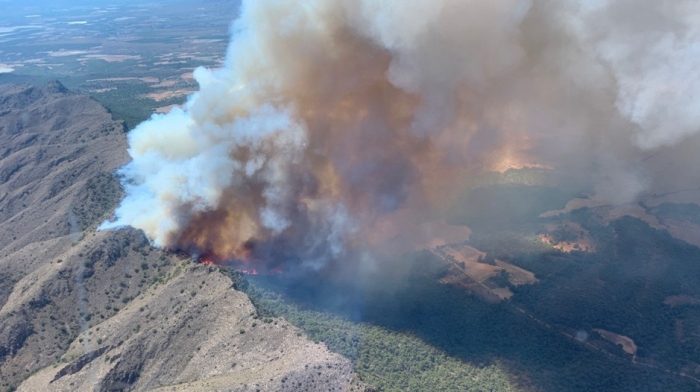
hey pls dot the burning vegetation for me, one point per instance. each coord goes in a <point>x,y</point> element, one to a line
<point>352,117</point>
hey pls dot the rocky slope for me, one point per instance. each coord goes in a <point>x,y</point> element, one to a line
<point>88,310</point>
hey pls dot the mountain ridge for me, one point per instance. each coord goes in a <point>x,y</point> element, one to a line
<point>71,297</point>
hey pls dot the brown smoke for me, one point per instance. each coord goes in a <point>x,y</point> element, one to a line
<point>340,126</point>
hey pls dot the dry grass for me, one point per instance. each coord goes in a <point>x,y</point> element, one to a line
<point>623,341</point>
<point>680,300</point>
<point>469,260</point>
<point>468,270</point>
<point>168,94</point>
<point>517,276</point>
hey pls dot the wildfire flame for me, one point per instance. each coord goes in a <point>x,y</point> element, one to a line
<point>317,131</point>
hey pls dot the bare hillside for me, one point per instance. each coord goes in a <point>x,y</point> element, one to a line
<point>87,310</point>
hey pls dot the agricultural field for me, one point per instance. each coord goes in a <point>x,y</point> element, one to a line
<point>136,58</point>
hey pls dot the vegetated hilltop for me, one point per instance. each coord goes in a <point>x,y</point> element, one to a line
<point>82,309</point>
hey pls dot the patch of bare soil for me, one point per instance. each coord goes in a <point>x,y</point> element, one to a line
<point>680,300</point>
<point>468,269</point>
<point>623,341</point>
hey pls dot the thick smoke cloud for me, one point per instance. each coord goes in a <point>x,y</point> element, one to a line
<point>336,126</point>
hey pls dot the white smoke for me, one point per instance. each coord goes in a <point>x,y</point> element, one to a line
<point>653,51</point>
<point>330,116</point>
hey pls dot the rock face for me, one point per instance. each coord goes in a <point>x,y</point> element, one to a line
<point>57,153</point>
<point>57,156</point>
<point>104,311</point>
<point>193,332</point>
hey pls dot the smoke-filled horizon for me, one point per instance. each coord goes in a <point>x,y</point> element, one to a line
<point>335,127</point>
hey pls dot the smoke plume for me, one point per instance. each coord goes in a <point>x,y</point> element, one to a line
<point>337,126</point>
